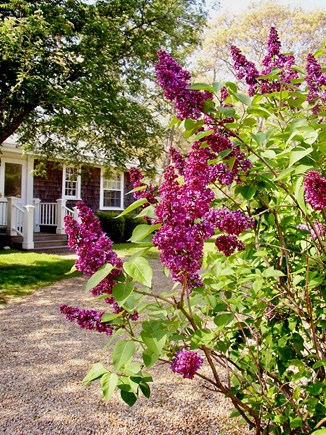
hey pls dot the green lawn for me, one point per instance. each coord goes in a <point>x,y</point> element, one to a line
<point>21,273</point>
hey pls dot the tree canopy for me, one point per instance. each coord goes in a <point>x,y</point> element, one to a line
<point>74,75</point>
<point>301,32</point>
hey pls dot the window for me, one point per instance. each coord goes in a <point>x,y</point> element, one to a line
<point>111,192</point>
<point>71,183</point>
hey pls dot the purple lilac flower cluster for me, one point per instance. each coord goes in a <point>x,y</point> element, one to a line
<point>318,229</point>
<point>245,69</point>
<point>136,178</point>
<point>177,159</point>
<point>315,190</point>
<point>86,319</point>
<point>182,207</point>
<point>186,363</point>
<point>93,247</point>
<point>175,82</point>
<point>315,80</point>
<point>273,59</point>
<point>233,223</point>
<point>224,173</point>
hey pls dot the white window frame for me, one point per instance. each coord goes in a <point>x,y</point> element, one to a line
<point>5,160</point>
<point>78,185</point>
<point>103,177</point>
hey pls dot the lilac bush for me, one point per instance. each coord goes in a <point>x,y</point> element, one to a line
<point>246,313</point>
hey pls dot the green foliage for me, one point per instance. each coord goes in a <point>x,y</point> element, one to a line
<point>75,71</point>
<point>119,227</point>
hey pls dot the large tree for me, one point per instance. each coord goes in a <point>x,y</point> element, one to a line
<point>300,31</point>
<point>75,75</point>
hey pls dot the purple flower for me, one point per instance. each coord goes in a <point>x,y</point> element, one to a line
<point>231,222</point>
<point>228,245</point>
<point>175,82</point>
<point>86,319</point>
<point>245,69</point>
<point>186,363</point>
<point>93,247</point>
<point>315,80</point>
<point>315,190</point>
<point>274,59</point>
<point>177,160</point>
<point>318,229</point>
<point>136,178</point>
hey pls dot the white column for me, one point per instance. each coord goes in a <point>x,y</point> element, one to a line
<point>3,212</point>
<point>11,215</point>
<point>29,180</point>
<point>61,204</point>
<point>28,242</point>
<point>37,214</point>
<point>76,217</point>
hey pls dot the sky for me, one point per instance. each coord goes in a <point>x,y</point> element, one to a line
<point>240,5</point>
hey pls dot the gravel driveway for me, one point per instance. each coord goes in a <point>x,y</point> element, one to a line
<point>43,359</point>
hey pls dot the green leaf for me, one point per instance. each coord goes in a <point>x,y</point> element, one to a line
<point>318,364</point>
<point>284,174</point>
<point>121,292</point>
<point>97,371</point>
<point>259,111</point>
<point>133,206</point>
<point>72,270</point>
<point>150,357</point>
<point>108,382</point>
<point>144,387</point>
<point>134,368</point>
<point>137,189</point>
<point>140,270</point>
<point>141,231</point>
<point>108,317</point>
<point>174,121</point>
<point>154,342</point>
<point>297,154</point>
<point>128,397</point>
<point>98,276</point>
<point>122,353</point>
<point>223,319</point>
<point>218,86</point>
<point>299,193</point>
<point>147,212</point>
<point>245,99</point>
<point>319,432</point>
<point>203,134</point>
<point>201,87</point>
<point>226,111</point>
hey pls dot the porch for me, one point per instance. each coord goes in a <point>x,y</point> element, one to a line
<point>34,226</point>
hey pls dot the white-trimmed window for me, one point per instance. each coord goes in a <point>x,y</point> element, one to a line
<point>111,191</point>
<point>71,183</point>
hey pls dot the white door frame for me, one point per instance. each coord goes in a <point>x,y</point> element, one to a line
<point>24,178</point>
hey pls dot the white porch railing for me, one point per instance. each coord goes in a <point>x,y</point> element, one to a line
<point>20,221</point>
<point>48,213</point>
<point>3,212</point>
<point>17,220</point>
<point>25,220</point>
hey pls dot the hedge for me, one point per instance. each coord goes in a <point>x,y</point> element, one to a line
<point>118,229</point>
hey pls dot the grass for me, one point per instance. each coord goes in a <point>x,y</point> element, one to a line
<point>21,273</point>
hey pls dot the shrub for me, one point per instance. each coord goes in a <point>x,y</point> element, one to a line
<point>114,227</point>
<point>256,306</point>
<point>119,229</point>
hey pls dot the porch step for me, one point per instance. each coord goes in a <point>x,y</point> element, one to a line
<point>45,242</point>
